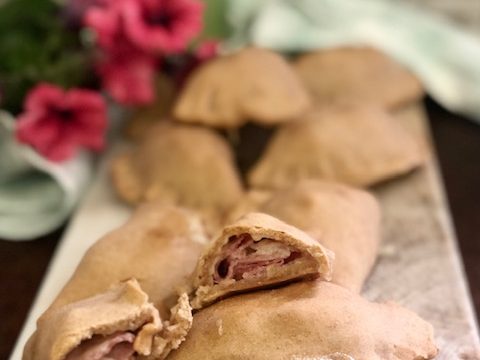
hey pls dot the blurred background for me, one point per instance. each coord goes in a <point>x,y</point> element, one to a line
<point>464,13</point>
<point>456,136</point>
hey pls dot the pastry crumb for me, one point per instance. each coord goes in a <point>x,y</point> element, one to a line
<point>220,327</point>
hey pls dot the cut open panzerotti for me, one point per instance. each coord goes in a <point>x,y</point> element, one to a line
<point>257,251</point>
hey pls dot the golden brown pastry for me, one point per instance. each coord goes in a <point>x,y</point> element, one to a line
<point>159,246</point>
<point>344,219</point>
<point>354,144</point>
<point>306,320</point>
<point>252,84</point>
<point>144,118</point>
<point>180,164</point>
<point>357,74</point>
<point>175,330</point>
<point>117,324</point>
<point>256,251</point>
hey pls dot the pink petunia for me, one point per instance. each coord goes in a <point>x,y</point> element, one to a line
<point>163,25</point>
<point>207,49</point>
<point>155,26</point>
<point>56,122</point>
<point>106,20</point>
<point>128,75</point>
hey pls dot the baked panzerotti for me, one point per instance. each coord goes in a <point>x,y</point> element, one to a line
<point>159,246</point>
<point>252,84</point>
<point>182,165</point>
<point>344,219</point>
<point>133,293</point>
<point>256,251</point>
<point>306,320</point>
<point>119,324</point>
<point>311,318</point>
<point>355,144</point>
<point>360,74</point>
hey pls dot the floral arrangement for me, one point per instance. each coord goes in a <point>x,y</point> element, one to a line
<point>61,61</point>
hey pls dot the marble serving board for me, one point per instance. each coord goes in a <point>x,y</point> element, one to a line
<point>419,265</point>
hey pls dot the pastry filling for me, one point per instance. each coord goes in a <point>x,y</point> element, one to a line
<point>244,258</point>
<point>118,346</point>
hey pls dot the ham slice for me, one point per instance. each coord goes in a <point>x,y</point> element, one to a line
<point>244,258</point>
<point>118,346</point>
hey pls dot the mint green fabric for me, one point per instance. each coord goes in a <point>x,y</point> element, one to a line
<point>36,195</point>
<point>444,57</point>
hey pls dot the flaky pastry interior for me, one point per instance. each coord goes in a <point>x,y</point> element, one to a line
<point>257,251</point>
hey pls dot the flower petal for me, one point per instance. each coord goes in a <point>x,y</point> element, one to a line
<point>43,95</point>
<point>184,23</point>
<point>61,151</point>
<point>88,106</point>
<point>56,123</point>
<point>105,21</point>
<point>129,79</point>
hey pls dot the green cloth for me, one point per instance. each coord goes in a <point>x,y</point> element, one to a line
<point>36,195</point>
<point>444,57</point>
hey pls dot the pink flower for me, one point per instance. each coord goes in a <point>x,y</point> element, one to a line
<point>106,20</point>
<point>156,26</point>
<point>162,25</point>
<point>128,75</point>
<point>56,122</point>
<point>207,50</point>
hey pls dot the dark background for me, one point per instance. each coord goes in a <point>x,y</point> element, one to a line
<point>457,142</point>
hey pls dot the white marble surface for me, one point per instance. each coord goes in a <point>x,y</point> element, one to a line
<point>419,264</point>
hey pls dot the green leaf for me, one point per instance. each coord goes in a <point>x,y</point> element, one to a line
<point>215,21</point>
<point>34,47</point>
